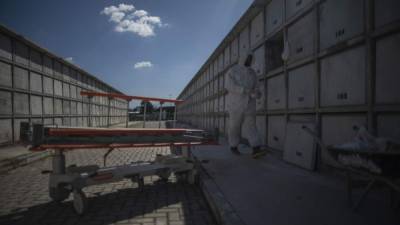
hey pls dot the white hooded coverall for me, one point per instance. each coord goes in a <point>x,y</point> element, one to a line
<point>241,84</point>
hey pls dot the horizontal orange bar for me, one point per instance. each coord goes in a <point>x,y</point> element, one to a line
<point>129,98</point>
<point>94,146</point>
<point>111,132</point>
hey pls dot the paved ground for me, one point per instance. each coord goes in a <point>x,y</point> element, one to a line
<point>24,198</point>
<point>271,191</point>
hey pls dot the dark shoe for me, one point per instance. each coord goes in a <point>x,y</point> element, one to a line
<point>235,151</point>
<point>257,152</point>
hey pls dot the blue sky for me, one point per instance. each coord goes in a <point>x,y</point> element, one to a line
<point>108,42</point>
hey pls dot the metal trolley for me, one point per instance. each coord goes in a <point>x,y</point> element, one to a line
<point>72,179</point>
<point>65,180</point>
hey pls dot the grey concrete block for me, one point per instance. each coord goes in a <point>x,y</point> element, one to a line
<point>386,11</point>
<point>36,82</point>
<point>58,88</point>
<point>5,74</point>
<point>48,121</point>
<point>47,85</point>
<point>274,15</point>
<point>302,87</point>
<point>79,108</point>
<point>17,125</point>
<point>66,107</point>
<point>292,7</point>
<point>389,126</point>
<point>79,78</point>
<point>21,78</point>
<point>21,53</point>
<point>36,60</point>
<point>5,47</point>
<point>334,28</point>
<point>5,131</point>
<point>78,93</point>
<point>58,109</point>
<point>343,78</point>
<point>258,63</point>
<point>257,29</point>
<point>47,65</point>
<point>301,38</point>
<point>276,93</point>
<point>220,64</point>
<point>299,146</point>
<point>79,121</point>
<point>85,109</point>
<point>5,103</point>
<point>73,108</point>
<point>57,69</point>
<point>66,90</point>
<point>37,120</point>
<point>388,70</point>
<point>58,121</point>
<point>36,105</point>
<point>74,75</point>
<point>74,122</point>
<point>276,131</point>
<point>66,73</point>
<point>84,121</point>
<point>48,106</point>
<point>21,104</point>
<point>73,91</point>
<point>227,60</point>
<point>66,121</point>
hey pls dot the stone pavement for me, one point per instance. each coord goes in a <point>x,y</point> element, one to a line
<point>15,156</point>
<point>24,196</point>
<point>270,191</point>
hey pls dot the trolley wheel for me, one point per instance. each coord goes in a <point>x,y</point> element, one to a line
<point>189,177</point>
<point>80,202</point>
<point>139,181</point>
<point>181,177</point>
<point>164,174</point>
<point>59,194</point>
<point>192,177</point>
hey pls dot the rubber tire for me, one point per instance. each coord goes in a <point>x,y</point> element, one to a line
<point>80,202</point>
<point>192,177</point>
<point>164,175</point>
<point>187,177</point>
<point>59,194</point>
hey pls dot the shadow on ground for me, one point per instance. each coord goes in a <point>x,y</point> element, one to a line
<point>152,205</point>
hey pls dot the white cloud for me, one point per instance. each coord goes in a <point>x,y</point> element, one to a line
<point>69,59</point>
<point>143,64</point>
<point>140,13</point>
<point>128,19</point>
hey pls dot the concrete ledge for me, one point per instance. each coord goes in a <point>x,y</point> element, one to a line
<point>222,210</point>
<point>10,163</point>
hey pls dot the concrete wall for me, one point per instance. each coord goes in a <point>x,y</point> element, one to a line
<point>343,69</point>
<point>37,86</point>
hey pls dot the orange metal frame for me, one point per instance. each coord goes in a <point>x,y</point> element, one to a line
<point>100,146</point>
<point>129,98</point>
<point>122,132</point>
<point>111,132</point>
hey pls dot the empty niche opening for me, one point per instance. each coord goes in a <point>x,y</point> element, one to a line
<point>273,52</point>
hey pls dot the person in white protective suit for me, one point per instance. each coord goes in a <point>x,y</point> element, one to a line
<point>242,89</point>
